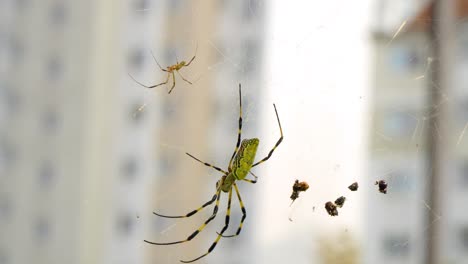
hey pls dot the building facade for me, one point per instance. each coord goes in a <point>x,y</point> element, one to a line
<point>397,222</point>
<point>86,154</point>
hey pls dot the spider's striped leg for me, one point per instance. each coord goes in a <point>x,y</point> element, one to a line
<point>194,234</point>
<point>154,58</point>
<point>215,198</point>
<point>226,225</point>
<point>184,78</point>
<point>251,181</point>
<point>277,143</point>
<point>196,49</point>
<point>152,86</point>
<point>207,164</point>
<point>173,82</point>
<point>191,60</point>
<point>244,213</point>
<point>239,132</point>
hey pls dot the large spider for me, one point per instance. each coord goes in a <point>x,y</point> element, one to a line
<point>170,72</point>
<point>242,160</point>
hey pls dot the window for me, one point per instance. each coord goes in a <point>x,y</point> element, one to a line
<point>463,172</point>
<point>462,36</point>
<point>8,157</point>
<point>21,4</point>
<point>47,175</point>
<point>398,125</point>
<point>130,168</point>
<point>464,238</point>
<point>401,180</point>
<point>251,57</point>
<point>166,164</point>
<point>404,59</point>
<point>10,101</point>
<point>4,259</point>
<point>140,6</point>
<point>396,245</point>
<point>58,13</point>
<point>136,59</point>
<point>251,9</point>
<point>175,5</point>
<point>168,112</point>
<point>5,209</point>
<point>137,113</point>
<point>462,110</point>
<point>50,121</point>
<point>15,50</point>
<point>42,229</point>
<point>54,68</point>
<point>125,224</point>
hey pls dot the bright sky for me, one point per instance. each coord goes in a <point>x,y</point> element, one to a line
<point>318,58</point>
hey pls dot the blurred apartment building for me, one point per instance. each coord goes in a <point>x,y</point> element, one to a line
<point>396,226</point>
<point>81,169</point>
<point>75,164</point>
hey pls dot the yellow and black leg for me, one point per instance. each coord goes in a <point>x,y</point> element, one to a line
<point>220,234</point>
<point>277,143</point>
<point>215,198</point>
<point>251,181</point>
<point>239,132</point>
<point>244,213</point>
<point>194,234</point>
<point>207,164</point>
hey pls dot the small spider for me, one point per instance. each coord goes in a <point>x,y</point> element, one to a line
<point>353,187</point>
<point>297,188</point>
<point>340,201</point>
<point>331,209</point>
<point>382,186</point>
<point>170,72</point>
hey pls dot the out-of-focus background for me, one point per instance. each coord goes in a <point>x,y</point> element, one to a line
<point>365,90</point>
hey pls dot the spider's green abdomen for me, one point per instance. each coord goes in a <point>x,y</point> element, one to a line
<point>244,158</point>
<point>242,162</point>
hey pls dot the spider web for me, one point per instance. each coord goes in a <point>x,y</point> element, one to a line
<point>317,68</point>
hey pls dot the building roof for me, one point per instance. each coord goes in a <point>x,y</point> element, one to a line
<point>422,20</point>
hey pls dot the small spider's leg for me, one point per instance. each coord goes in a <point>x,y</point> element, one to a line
<point>183,77</point>
<point>215,197</point>
<point>239,132</point>
<point>207,164</point>
<point>173,82</point>
<point>196,49</point>
<point>152,86</point>
<point>277,143</point>
<point>193,58</point>
<point>251,181</point>
<point>158,62</point>
<point>194,234</point>
<point>220,234</point>
<point>244,213</point>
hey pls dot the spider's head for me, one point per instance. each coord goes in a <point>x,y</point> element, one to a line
<point>182,63</point>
